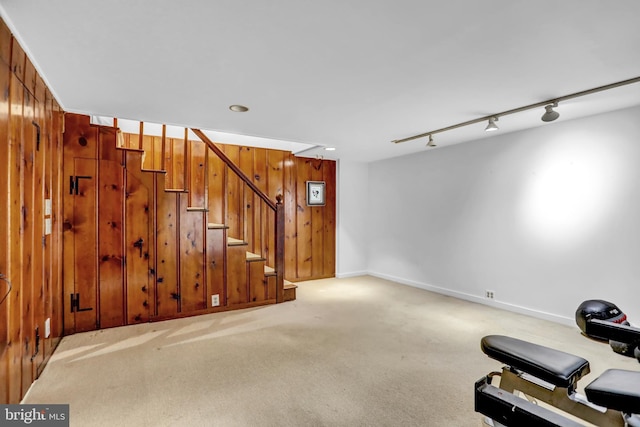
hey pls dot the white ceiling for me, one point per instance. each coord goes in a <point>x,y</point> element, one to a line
<point>352,74</point>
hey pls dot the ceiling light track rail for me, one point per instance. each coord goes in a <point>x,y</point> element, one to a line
<point>553,102</point>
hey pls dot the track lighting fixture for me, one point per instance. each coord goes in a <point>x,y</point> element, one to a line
<point>549,114</point>
<point>431,143</point>
<point>492,125</point>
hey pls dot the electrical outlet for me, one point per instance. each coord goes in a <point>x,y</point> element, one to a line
<point>489,294</point>
<point>215,300</point>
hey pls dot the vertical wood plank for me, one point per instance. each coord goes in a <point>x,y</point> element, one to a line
<point>317,224</point>
<point>18,60</point>
<point>110,250</point>
<point>215,188</point>
<point>14,239</point>
<point>85,253</point>
<point>237,275</point>
<point>257,281</point>
<point>168,163</point>
<point>5,47</point>
<point>57,301</point>
<point>275,186</point>
<point>260,228</point>
<point>167,291</point>
<point>178,164</point>
<point>48,250</point>
<point>234,197</point>
<point>158,153</point>
<point>138,242</point>
<point>39,239</point>
<point>303,221</point>
<point>5,59</point>
<point>149,152</point>
<point>27,235</point>
<point>216,242</point>
<point>291,208</point>
<point>197,174</point>
<point>192,277</point>
<point>246,211</point>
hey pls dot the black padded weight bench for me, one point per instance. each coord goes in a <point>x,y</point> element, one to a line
<point>551,376</point>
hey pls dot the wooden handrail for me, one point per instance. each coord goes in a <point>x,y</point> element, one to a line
<point>277,207</point>
<point>234,168</point>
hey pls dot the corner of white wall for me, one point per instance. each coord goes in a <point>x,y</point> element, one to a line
<point>352,196</point>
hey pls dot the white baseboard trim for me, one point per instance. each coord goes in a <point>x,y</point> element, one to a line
<point>478,299</point>
<point>352,274</point>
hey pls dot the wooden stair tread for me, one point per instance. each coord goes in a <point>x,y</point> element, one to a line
<point>254,257</point>
<point>196,209</point>
<point>137,150</point>
<point>235,242</point>
<point>154,170</point>
<point>269,271</point>
<point>214,226</point>
<point>289,285</point>
<point>176,190</point>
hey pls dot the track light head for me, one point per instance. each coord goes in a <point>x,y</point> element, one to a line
<point>492,125</point>
<point>549,114</point>
<point>431,143</point>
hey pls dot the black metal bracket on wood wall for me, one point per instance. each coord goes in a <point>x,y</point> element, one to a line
<point>37,134</point>
<point>74,183</point>
<point>37,349</point>
<point>75,304</point>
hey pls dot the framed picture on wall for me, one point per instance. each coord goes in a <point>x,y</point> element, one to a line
<point>315,193</point>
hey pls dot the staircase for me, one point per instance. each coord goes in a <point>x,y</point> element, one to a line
<point>251,270</point>
<point>176,226</point>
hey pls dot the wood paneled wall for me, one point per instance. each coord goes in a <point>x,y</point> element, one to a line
<point>31,124</point>
<point>309,230</point>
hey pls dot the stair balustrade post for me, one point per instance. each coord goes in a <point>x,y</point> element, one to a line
<point>279,230</point>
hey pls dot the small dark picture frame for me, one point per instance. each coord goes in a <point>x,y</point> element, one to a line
<point>315,193</point>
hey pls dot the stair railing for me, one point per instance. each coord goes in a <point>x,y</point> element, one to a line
<point>277,207</point>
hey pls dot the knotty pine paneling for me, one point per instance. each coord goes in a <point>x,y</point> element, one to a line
<point>178,161</point>
<point>167,265</point>
<point>18,61</point>
<point>29,256</point>
<point>193,295</point>
<point>5,76</point>
<point>216,179</point>
<point>84,251</point>
<point>197,167</point>
<point>216,249</point>
<point>138,240</point>
<point>40,239</point>
<point>110,245</point>
<point>309,231</point>
<point>5,48</point>
<point>15,194</point>
<point>290,220</point>
<point>234,197</point>
<point>304,230</point>
<point>57,190</point>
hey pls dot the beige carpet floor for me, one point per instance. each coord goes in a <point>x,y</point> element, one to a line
<point>348,352</point>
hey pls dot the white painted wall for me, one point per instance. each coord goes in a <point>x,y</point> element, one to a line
<point>352,217</point>
<point>546,218</point>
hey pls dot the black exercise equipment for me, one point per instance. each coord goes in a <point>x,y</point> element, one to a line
<point>601,310</point>
<point>551,376</point>
<point>605,321</point>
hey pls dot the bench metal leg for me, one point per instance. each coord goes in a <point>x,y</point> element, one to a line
<point>562,398</point>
